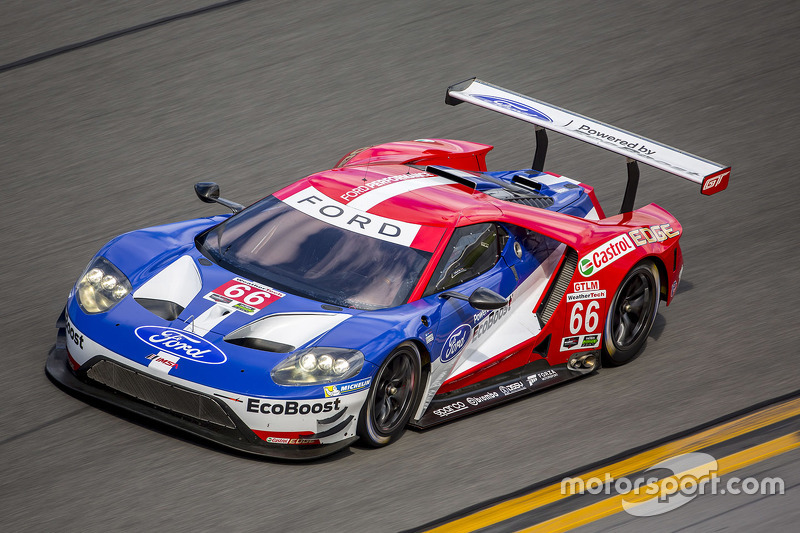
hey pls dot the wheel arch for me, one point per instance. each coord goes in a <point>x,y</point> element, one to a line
<point>424,356</point>
<point>663,276</point>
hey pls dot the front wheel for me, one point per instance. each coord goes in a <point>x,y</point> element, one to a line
<point>392,397</point>
<point>631,315</point>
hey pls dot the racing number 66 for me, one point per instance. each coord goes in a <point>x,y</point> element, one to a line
<point>592,319</point>
<point>256,297</point>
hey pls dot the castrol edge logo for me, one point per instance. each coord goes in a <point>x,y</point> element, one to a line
<point>605,254</point>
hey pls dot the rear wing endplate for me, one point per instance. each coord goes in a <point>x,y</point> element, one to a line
<point>712,177</point>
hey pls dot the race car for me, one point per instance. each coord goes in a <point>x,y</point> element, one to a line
<point>406,286</point>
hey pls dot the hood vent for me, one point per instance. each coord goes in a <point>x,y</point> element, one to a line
<point>261,344</point>
<point>169,292</point>
<point>169,311</point>
<point>285,332</point>
<point>542,202</point>
<point>521,197</point>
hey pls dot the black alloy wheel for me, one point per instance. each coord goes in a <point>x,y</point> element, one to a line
<point>392,397</point>
<point>632,314</point>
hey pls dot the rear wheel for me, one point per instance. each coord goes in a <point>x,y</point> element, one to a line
<point>631,315</point>
<point>392,397</point>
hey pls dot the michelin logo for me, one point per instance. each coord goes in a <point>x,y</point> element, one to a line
<point>346,388</point>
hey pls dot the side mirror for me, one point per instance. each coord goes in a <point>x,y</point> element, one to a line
<point>481,298</point>
<point>208,192</point>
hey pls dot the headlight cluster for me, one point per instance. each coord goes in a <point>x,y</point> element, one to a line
<point>101,286</point>
<point>318,365</point>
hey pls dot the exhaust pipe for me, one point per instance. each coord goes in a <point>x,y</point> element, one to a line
<point>583,362</point>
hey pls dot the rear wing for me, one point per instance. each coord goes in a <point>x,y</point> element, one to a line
<point>712,177</point>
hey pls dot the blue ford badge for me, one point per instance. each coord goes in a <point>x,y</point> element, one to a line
<point>181,343</point>
<point>513,105</point>
<point>456,342</point>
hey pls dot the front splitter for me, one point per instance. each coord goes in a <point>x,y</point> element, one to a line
<point>239,438</point>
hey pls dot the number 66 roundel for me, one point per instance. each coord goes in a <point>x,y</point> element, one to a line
<point>584,323</point>
<point>244,295</point>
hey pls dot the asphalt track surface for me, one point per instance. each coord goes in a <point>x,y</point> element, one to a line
<point>109,138</point>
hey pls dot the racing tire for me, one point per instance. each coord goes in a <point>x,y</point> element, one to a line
<point>631,314</point>
<point>392,398</point>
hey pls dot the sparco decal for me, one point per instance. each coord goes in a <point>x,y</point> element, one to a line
<point>181,344</point>
<point>346,388</point>
<point>604,255</point>
<point>450,409</point>
<point>456,342</point>
<point>254,405</point>
<point>511,389</point>
<point>482,398</point>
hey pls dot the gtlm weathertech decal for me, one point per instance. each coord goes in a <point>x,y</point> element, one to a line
<point>604,255</point>
<point>315,204</point>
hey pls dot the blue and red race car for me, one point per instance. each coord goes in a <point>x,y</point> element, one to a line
<point>408,285</point>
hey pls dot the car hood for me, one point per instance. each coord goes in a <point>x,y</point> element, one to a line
<point>211,304</point>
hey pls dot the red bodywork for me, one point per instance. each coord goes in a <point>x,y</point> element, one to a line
<point>440,209</point>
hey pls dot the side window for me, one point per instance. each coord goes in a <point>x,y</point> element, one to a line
<point>534,243</point>
<point>472,250</point>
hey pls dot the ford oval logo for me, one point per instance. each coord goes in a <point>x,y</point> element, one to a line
<point>513,105</point>
<point>456,342</point>
<point>181,343</point>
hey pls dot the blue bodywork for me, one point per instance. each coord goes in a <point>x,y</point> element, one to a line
<point>142,254</point>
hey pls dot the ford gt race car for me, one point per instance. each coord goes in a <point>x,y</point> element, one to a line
<point>406,286</point>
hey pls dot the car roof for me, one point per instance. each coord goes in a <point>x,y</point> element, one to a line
<point>402,193</point>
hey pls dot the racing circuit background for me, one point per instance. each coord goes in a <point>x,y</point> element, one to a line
<point>110,137</point>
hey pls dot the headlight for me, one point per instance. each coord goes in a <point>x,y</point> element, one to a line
<point>318,365</point>
<point>101,286</point>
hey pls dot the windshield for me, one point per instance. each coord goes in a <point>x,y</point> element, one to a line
<point>276,244</point>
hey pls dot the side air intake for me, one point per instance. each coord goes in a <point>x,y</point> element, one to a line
<point>197,407</point>
<point>559,287</point>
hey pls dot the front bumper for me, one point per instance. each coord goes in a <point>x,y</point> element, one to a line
<point>199,414</point>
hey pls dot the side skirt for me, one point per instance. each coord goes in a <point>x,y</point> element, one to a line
<point>470,400</point>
